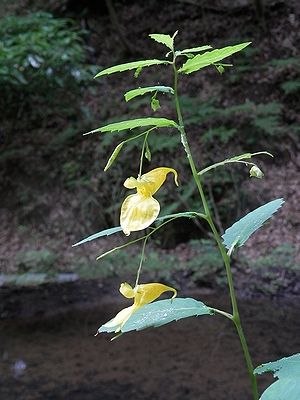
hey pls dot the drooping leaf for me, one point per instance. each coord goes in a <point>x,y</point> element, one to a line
<point>114,155</point>
<point>129,66</point>
<point>287,370</point>
<point>167,40</point>
<point>119,147</point>
<point>136,123</point>
<point>210,57</point>
<point>106,232</point>
<point>141,91</point>
<point>162,312</point>
<point>240,231</point>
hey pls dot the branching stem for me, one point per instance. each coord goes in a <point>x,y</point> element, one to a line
<point>235,317</point>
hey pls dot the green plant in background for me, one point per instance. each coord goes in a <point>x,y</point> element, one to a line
<point>36,261</point>
<point>276,269</point>
<point>42,63</point>
<point>140,210</point>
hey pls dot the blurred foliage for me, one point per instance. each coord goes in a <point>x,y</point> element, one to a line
<point>283,257</point>
<point>235,122</point>
<point>276,273</point>
<point>43,63</point>
<point>36,261</point>
<point>202,265</point>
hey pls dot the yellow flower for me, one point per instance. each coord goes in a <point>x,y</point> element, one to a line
<point>139,210</point>
<point>142,294</point>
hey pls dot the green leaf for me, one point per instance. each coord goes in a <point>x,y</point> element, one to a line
<point>155,103</point>
<point>130,66</point>
<point>106,232</point>
<point>136,123</point>
<point>167,40</point>
<point>287,386</point>
<point>188,214</point>
<point>284,389</point>
<point>137,72</point>
<point>162,312</point>
<point>114,155</point>
<point>239,232</point>
<point>193,50</point>
<point>111,231</point>
<point>234,159</point>
<point>141,91</point>
<point>210,57</point>
<point>221,69</point>
<point>286,367</point>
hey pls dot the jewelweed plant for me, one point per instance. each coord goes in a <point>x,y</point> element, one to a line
<point>140,211</point>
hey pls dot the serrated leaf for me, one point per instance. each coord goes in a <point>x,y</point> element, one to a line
<point>287,386</point>
<point>210,57</point>
<point>285,368</point>
<point>136,123</point>
<point>193,50</point>
<point>97,235</point>
<point>167,40</point>
<point>141,91</point>
<point>130,66</point>
<point>162,312</point>
<point>239,232</point>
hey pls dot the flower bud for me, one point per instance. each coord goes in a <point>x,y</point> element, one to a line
<point>256,172</point>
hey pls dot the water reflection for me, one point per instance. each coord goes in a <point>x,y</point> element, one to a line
<point>199,358</point>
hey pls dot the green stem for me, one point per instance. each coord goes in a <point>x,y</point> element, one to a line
<point>185,143</point>
<point>146,237</point>
<point>141,261</point>
<point>235,315</point>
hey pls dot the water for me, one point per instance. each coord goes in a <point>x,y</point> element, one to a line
<point>58,357</point>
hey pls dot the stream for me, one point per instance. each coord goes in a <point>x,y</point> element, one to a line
<point>56,356</point>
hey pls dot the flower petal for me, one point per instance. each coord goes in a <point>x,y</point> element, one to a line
<point>130,183</point>
<point>126,290</point>
<point>148,292</point>
<point>138,212</point>
<point>120,318</point>
<point>157,176</point>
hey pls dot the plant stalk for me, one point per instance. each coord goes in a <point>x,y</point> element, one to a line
<point>235,315</point>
